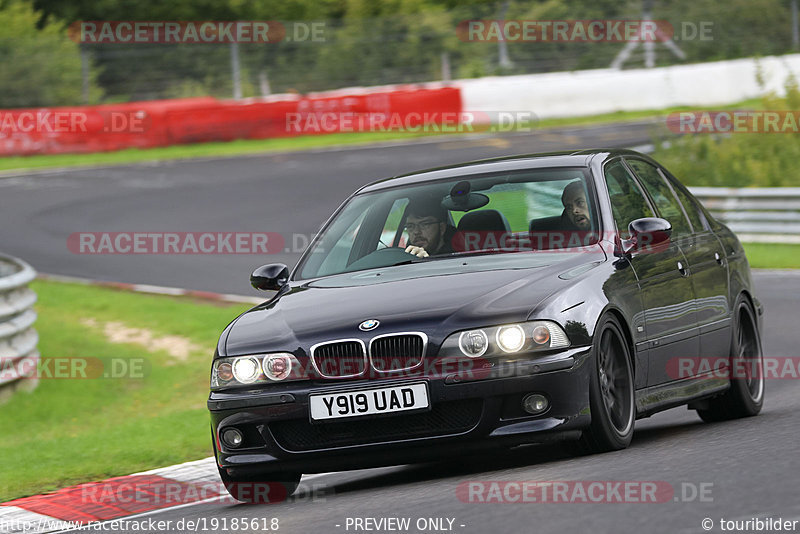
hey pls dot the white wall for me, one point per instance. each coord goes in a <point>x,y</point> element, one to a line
<point>589,92</point>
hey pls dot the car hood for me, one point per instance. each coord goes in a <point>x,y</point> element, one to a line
<point>437,297</point>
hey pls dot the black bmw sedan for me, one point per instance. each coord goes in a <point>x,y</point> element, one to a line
<point>490,304</point>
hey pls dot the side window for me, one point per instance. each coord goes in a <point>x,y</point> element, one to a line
<point>627,201</point>
<point>690,204</point>
<point>662,195</point>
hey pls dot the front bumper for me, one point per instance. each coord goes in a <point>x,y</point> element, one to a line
<point>467,414</point>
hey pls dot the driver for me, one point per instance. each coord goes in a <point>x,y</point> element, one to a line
<point>427,227</point>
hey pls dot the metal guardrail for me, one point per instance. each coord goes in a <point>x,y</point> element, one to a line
<point>18,339</point>
<point>761,215</point>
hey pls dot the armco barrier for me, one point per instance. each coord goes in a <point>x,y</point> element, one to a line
<point>18,339</point>
<point>766,215</point>
<point>193,120</point>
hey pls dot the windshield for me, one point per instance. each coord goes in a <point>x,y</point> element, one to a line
<point>511,212</point>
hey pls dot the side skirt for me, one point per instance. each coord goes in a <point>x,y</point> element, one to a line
<point>664,396</point>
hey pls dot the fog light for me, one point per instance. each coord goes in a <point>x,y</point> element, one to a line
<point>473,343</point>
<point>511,338</point>
<point>232,437</point>
<point>535,404</point>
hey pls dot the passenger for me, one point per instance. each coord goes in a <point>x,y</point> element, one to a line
<point>576,208</point>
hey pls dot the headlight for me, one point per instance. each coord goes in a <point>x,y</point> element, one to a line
<point>504,340</point>
<point>255,369</point>
<point>473,343</point>
<point>510,338</point>
<point>277,366</point>
<point>246,370</point>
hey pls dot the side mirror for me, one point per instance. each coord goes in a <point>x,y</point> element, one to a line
<point>646,232</point>
<point>270,277</point>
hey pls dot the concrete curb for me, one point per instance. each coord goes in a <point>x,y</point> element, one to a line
<point>85,506</point>
<point>119,497</point>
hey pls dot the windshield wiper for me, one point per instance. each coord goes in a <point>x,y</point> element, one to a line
<point>407,262</point>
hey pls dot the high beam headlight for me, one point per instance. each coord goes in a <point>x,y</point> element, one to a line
<point>246,370</point>
<point>510,338</point>
<point>277,366</point>
<point>473,343</point>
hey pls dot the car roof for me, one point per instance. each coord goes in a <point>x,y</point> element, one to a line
<point>580,158</point>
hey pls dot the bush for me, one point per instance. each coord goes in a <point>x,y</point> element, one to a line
<point>40,66</point>
<point>739,160</point>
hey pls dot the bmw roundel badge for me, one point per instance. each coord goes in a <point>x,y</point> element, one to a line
<point>369,324</point>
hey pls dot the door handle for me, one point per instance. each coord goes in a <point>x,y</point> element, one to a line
<point>718,259</point>
<point>683,270</point>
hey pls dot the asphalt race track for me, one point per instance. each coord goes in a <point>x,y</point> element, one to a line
<point>747,468</point>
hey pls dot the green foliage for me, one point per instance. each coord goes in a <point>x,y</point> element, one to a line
<point>740,159</point>
<point>375,42</point>
<point>40,66</point>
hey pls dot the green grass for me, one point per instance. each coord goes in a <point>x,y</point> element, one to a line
<point>69,431</point>
<point>772,255</point>
<point>306,142</point>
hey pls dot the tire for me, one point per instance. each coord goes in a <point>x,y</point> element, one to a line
<point>265,489</point>
<point>611,391</point>
<point>745,397</point>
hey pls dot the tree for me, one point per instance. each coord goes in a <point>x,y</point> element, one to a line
<point>40,67</point>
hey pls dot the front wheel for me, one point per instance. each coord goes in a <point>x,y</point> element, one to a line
<point>746,394</point>
<point>611,390</point>
<point>264,489</point>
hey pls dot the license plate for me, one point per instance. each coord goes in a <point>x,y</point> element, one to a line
<point>369,402</point>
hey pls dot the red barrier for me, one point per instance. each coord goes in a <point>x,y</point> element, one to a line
<point>195,120</point>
